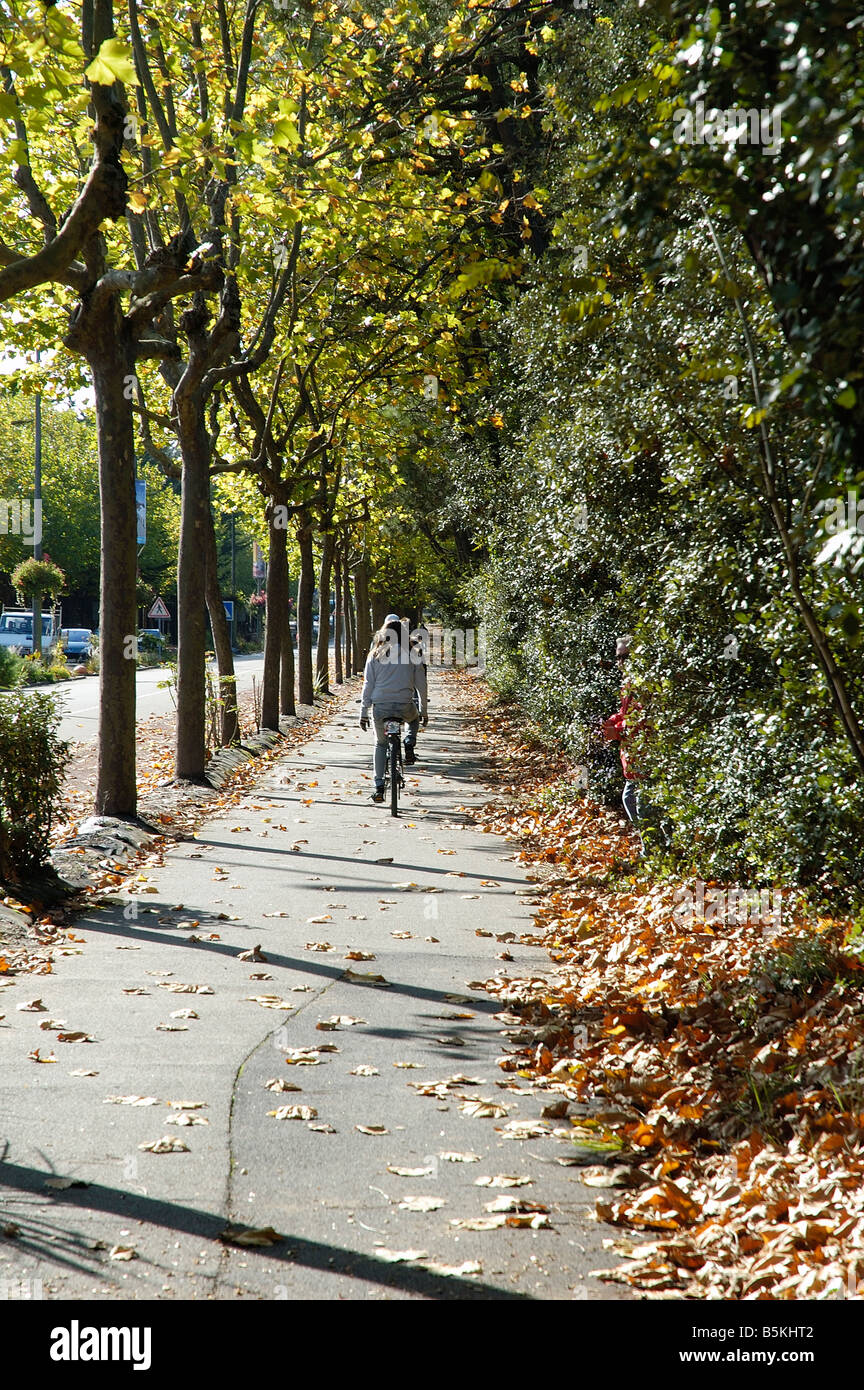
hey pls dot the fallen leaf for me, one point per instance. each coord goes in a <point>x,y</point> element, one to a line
<point>294,1112</point>
<point>122,1252</point>
<point>467,1268</point>
<point>168,1144</point>
<point>392,1257</point>
<point>131,1100</point>
<point>250,1236</point>
<point>32,1006</point>
<point>410,1172</point>
<point>255,954</point>
<point>372,1129</point>
<point>422,1203</point>
<point>459,1158</point>
<point>278,1084</point>
<point>364,1070</point>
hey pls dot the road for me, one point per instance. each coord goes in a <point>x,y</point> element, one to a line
<point>371,1189</point>
<point>79,700</point>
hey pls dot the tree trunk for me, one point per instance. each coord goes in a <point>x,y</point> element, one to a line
<point>287,704</point>
<point>322,656</point>
<point>379,610</point>
<point>228,722</point>
<point>277,608</point>
<point>305,684</point>
<point>337,616</point>
<point>118,609</point>
<point>350,634</point>
<point>364,621</point>
<point>287,701</point>
<point>36,610</point>
<point>191,625</point>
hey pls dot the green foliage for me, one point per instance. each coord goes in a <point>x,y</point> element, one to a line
<point>34,576</point>
<point>11,669</point>
<point>32,763</point>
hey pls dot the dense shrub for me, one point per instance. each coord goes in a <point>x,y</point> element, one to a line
<point>32,763</point>
<point>11,669</point>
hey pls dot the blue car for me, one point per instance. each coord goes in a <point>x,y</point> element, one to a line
<point>77,642</point>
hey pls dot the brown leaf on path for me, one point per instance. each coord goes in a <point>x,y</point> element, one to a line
<point>513,1204</point>
<point>392,1257</point>
<point>484,1109</point>
<point>372,1129</point>
<point>249,1236</point>
<point>364,978</point>
<point>359,955</point>
<point>122,1252</point>
<point>82,1071</point>
<point>131,1100</point>
<point>463,1271</point>
<point>32,1006</point>
<point>36,1056</point>
<point>278,1084</point>
<point>364,1070</point>
<point>294,1112</point>
<point>451,1157</point>
<point>504,1180</point>
<point>410,1172</point>
<point>422,1203</point>
<point>478,1223</point>
<point>322,1128</point>
<point>256,955</point>
<point>168,1144</point>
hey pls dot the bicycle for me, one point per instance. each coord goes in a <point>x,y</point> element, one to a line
<point>393,730</point>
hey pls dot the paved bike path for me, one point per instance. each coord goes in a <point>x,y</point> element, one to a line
<point>306,843</point>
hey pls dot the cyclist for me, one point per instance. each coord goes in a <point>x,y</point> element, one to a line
<point>394,687</point>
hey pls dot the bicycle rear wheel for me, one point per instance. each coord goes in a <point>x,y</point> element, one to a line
<point>394,774</point>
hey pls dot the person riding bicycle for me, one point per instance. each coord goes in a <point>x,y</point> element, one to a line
<point>394,687</point>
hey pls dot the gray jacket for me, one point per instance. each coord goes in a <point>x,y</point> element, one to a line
<point>390,680</point>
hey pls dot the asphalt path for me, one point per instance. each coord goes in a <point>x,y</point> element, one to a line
<point>411,894</point>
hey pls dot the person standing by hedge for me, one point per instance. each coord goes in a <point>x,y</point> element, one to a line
<point>621,727</point>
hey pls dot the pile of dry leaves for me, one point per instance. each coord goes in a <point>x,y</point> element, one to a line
<point>714,1067</point>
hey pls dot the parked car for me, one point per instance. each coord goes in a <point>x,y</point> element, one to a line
<point>150,639</point>
<point>77,642</point>
<point>16,629</point>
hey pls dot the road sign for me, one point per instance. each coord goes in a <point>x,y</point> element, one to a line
<point>159,612</point>
<point>228,605</point>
